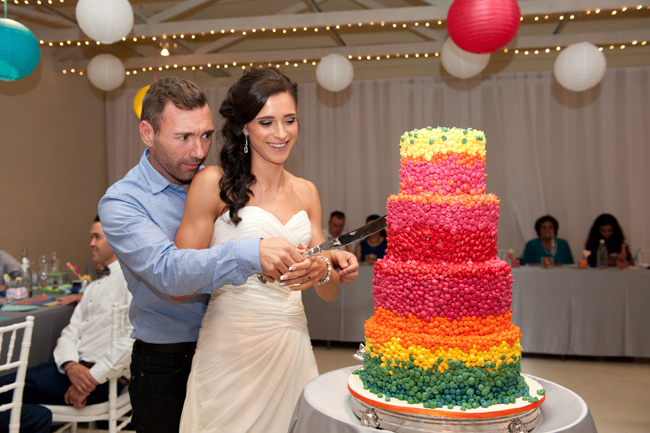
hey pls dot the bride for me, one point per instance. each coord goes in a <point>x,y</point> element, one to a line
<point>254,355</point>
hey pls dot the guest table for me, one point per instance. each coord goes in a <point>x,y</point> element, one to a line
<point>48,324</point>
<point>325,406</point>
<point>562,311</point>
<point>590,312</point>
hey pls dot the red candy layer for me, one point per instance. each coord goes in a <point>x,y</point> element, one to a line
<point>448,176</point>
<point>450,217</point>
<point>453,291</point>
<point>425,244</point>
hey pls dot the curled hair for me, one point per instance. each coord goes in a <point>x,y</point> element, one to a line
<point>184,94</point>
<point>245,100</point>
<point>542,220</point>
<point>614,243</point>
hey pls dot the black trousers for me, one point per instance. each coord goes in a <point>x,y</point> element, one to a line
<point>159,376</point>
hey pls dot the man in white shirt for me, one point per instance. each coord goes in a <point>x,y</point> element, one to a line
<point>83,358</point>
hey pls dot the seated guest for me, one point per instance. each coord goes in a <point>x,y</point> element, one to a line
<point>84,359</point>
<point>8,265</point>
<point>335,226</point>
<point>373,247</point>
<point>546,228</point>
<point>606,227</point>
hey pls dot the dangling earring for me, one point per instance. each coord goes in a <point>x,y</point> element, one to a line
<point>246,144</point>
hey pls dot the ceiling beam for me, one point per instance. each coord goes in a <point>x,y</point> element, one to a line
<point>227,40</point>
<point>293,55</point>
<point>404,14</point>
<point>176,10</point>
<point>29,12</point>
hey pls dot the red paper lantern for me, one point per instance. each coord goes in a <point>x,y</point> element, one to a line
<point>483,26</point>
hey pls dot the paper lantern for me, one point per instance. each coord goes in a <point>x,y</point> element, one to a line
<point>483,26</point>
<point>19,50</point>
<point>106,72</point>
<point>334,72</point>
<point>460,63</point>
<point>580,66</point>
<point>137,101</point>
<point>106,21</point>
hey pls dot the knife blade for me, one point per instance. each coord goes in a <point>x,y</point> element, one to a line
<point>350,237</point>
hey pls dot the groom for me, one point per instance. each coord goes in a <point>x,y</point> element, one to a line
<point>140,215</point>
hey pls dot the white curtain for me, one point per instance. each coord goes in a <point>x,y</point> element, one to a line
<point>549,150</point>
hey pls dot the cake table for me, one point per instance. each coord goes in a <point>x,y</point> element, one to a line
<point>325,406</point>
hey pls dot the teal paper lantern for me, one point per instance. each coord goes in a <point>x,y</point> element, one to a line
<point>19,50</point>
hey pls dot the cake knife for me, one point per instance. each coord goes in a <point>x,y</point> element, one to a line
<point>350,237</point>
<point>343,240</point>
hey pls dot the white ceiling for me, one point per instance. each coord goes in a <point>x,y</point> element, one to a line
<point>223,32</point>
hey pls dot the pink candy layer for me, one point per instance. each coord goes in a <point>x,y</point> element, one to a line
<point>452,218</point>
<point>417,178</point>
<point>453,291</point>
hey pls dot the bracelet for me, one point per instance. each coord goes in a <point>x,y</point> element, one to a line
<point>329,271</point>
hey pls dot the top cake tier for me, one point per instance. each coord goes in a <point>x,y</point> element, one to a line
<point>448,161</point>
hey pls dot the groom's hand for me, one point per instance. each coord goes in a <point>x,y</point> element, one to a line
<point>349,266</point>
<point>277,255</point>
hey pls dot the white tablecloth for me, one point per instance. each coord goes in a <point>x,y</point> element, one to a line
<point>343,319</point>
<point>563,311</point>
<point>592,312</point>
<point>325,406</point>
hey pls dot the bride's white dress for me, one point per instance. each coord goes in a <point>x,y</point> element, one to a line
<point>254,355</point>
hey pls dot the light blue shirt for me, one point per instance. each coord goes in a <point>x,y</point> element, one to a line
<point>140,215</point>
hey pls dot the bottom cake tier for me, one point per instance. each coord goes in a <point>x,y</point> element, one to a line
<point>399,416</point>
<point>446,383</point>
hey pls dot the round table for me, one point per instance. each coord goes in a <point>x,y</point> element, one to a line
<point>325,406</point>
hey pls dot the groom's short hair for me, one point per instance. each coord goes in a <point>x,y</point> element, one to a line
<point>184,94</point>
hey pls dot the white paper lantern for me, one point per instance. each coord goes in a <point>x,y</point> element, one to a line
<point>580,66</point>
<point>460,63</point>
<point>334,72</point>
<point>106,21</point>
<point>106,72</point>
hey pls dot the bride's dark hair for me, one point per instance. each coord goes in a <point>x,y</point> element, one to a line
<point>245,100</point>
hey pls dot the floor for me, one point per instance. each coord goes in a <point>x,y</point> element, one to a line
<point>616,391</point>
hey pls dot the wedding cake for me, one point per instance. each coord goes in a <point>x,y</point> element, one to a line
<point>441,336</point>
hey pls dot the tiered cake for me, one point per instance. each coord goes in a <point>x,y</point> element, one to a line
<point>442,335</point>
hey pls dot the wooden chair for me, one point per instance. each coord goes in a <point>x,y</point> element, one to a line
<point>17,403</point>
<point>116,407</point>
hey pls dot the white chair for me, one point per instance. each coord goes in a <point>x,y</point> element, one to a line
<point>643,257</point>
<point>17,403</point>
<point>116,407</point>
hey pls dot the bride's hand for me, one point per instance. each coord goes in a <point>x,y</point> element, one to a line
<point>305,274</point>
<point>277,255</point>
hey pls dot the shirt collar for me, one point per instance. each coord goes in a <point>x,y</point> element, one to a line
<point>114,266</point>
<point>157,181</point>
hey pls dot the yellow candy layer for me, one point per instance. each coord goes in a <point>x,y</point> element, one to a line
<point>425,143</point>
<point>426,358</point>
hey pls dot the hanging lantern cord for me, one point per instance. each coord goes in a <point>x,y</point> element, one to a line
<point>5,9</point>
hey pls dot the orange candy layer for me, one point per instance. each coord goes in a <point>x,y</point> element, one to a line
<point>469,333</point>
<point>462,158</point>
<point>467,200</point>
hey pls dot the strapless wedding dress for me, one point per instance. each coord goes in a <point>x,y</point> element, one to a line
<point>254,355</point>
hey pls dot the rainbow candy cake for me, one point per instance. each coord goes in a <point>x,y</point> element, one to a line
<point>442,333</point>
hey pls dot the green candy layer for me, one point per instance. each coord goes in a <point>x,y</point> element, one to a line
<point>458,386</point>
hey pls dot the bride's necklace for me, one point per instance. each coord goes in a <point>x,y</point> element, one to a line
<point>374,244</point>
